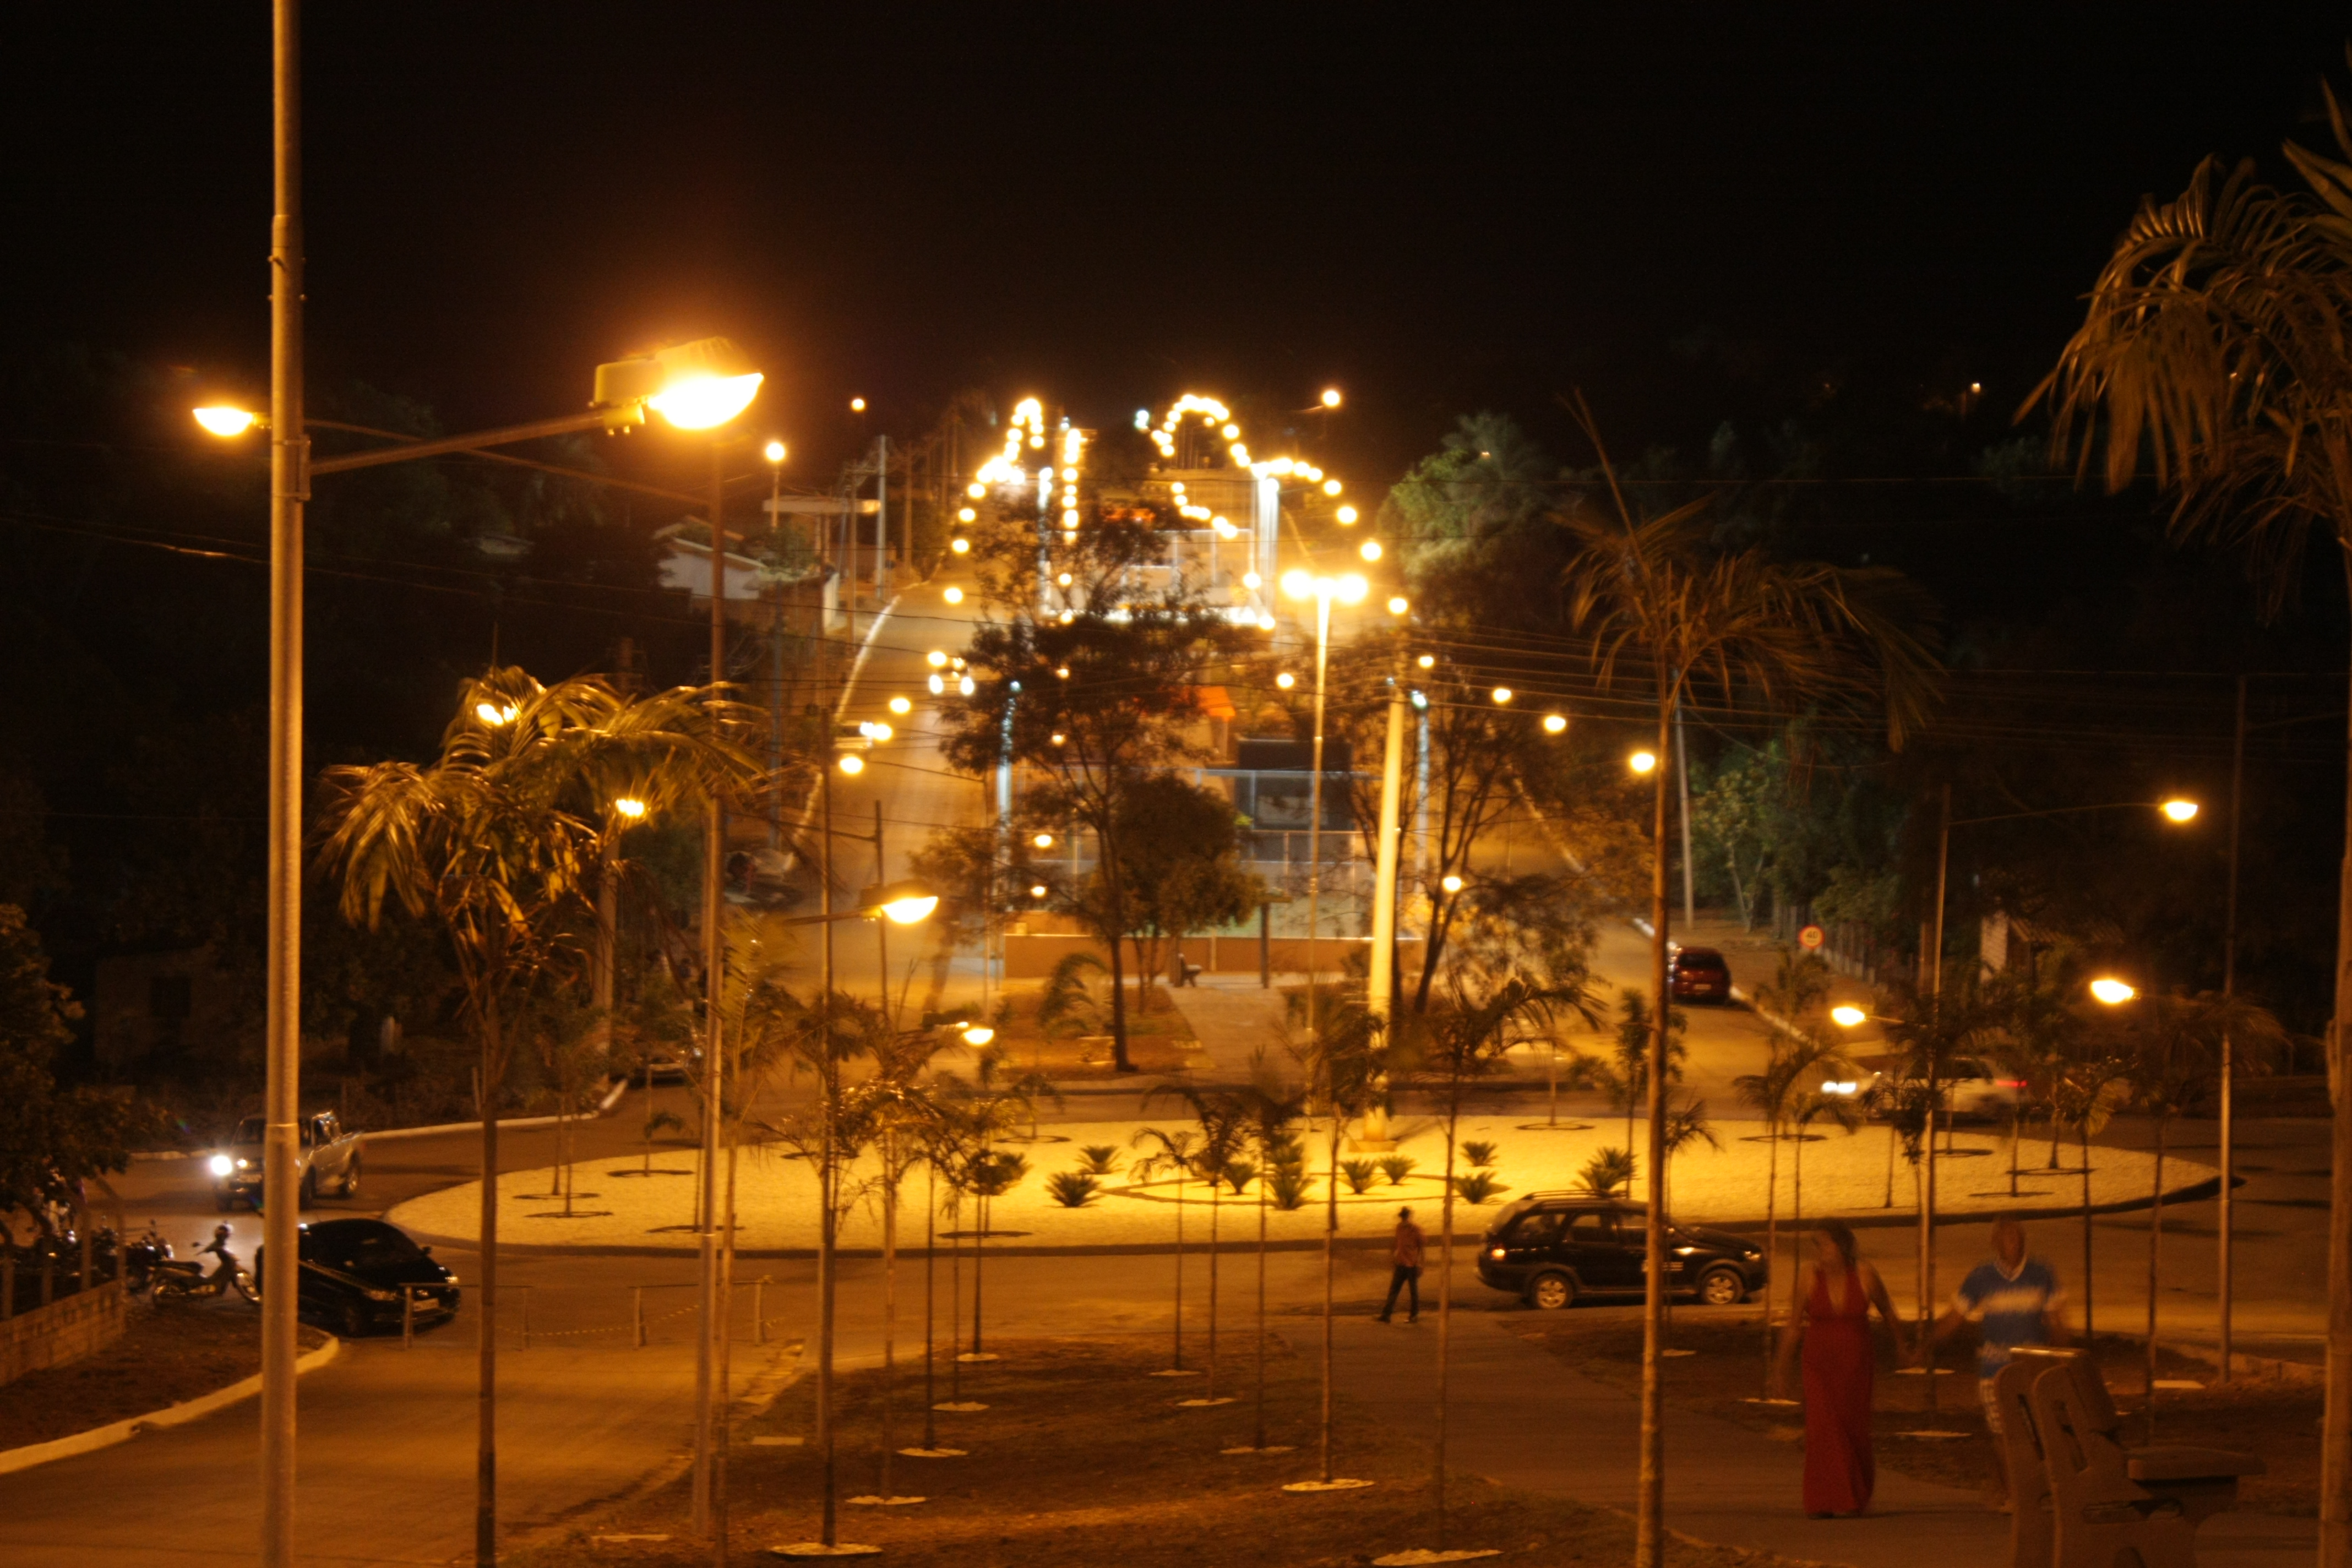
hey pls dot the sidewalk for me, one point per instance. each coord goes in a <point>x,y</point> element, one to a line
<point>1724,1483</point>
<point>1234,1018</point>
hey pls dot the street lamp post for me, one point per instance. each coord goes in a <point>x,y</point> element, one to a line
<point>694,387</point>
<point>1349,589</point>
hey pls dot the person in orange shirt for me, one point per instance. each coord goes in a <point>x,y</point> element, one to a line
<point>1405,1254</point>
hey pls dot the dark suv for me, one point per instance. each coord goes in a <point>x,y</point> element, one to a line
<point>1553,1247</point>
<point>1698,974</point>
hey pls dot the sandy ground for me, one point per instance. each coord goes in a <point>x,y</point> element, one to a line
<point>1843,1174</point>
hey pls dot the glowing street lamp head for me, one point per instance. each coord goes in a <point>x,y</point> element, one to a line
<point>493,715</point>
<point>705,401</point>
<point>221,419</point>
<point>1502,696</point>
<point>1298,584</point>
<point>1042,841</point>
<point>852,763</point>
<point>978,1035</point>
<point>1399,605</point>
<point>2113,991</point>
<point>1330,397</point>
<point>857,405</point>
<point>1351,588</point>
<point>1369,550</point>
<point>961,545</point>
<point>1554,723</point>
<point>630,806</point>
<point>1846,1016</point>
<point>938,660</point>
<point>1451,883</point>
<point>914,907</point>
<point>1285,680</point>
<point>1427,661</point>
<point>773,451</point>
<point>2180,810</point>
<point>1642,761</point>
<point>1346,514</point>
<point>954,595</point>
<point>1036,889</point>
<point>900,705</point>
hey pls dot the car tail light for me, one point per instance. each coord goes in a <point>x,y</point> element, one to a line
<point>2010,1082</point>
<point>1495,1252</point>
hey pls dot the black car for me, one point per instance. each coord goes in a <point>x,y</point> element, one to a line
<point>1698,974</point>
<point>356,1272</point>
<point>1553,1248</point>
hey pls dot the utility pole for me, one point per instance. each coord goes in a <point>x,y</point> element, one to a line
<point>1380,988</point>
<point>2229,990</point>
<point>881,520</point>
<point>1682,766</point>
<point>289,486</point>
<point>714,957</point>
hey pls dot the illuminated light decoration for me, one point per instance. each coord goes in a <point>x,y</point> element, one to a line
<point>1555,722</point>
<point>938,660</point>
<point>966,686</point>
<point>966,514</point>
<point>902,706</point>
<point>957,662</point>
<point>1330,487</point>
<point>1143,418</point>
<point>1399,605</point>
<point>1369,550</point>
<point>1232,432</point>
<point>960,546</point>
<point>954,595</point>
<point>1427,661</point>
<point>1643,761</point>
<point>1346,514</point>
<point>1502,694</point>
<point>1285,680</point>
<point>1028,426</point>
<point>1330,397</point>
<point>857,405</point>
<point>1252,581</point>
<point>1068,616</point>
<point>773,451</point>
<point>493,715</point>
<point>852,763</point>
<point>1063,580</point>
<point>630,808</point>
<point>1063,673</point>
<point>939,685</point>
<point>223,420</point>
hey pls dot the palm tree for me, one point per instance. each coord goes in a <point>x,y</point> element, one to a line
<point>2175,1060</point>
<point>497,840</point>
<point>1632,1074</point>
<point>2087,1090</point>
<point>1347,1057</point>
<point>1807,1106</point>
<point>1221,1115</point>
<point>1466,1039</point>
<point>1173,1155</point>
<point>2035,1022</point>
<point>987,1107</point>
<point>2214,345</point>
<point>1671,612</point>
<point>1273,1108</point>
<point>1794,1060</point>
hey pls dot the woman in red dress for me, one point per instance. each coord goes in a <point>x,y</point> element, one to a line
<point>1836,1292</point>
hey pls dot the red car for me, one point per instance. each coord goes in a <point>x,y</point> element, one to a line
<point>1698,974</point>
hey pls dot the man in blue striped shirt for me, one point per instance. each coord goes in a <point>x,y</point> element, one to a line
<point>2014,1300</point>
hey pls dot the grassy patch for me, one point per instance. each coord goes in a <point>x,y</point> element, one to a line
<point>2278,1422</point>
<point>166,1356</point>
<point>1083,1459</point>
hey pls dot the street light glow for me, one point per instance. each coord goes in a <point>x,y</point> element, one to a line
<point>1398,604</point>
<point>630,806</point>
<point>773,451</point>
<point>1036,889</point>
<point>2180,810</point>
<point>906,910</point>
<point>939,659</point>
<point>705,401</point>
<point>1427,661</point>
<point>978,1035</point>
<point>220,419</point>
<point>1330,397</point>
<point>852,763</point>
<point>954,595</point>
<point>1451,883</point>
<point>2111,991</point>
<point>1330,487</point>
<point>1846,1016</point>
<point>1285,680</point>
<point>493,715</point>
<point>1044,841</point>
<point>961,545</point>
<point>1642,761</point>
<point>1252,581</point>
<point>1346,514</point>
<point>1555,722</point>
<point>857,405</point>
<point>900,705</point>
<point>1502,694</point>
<point>1369,550</point>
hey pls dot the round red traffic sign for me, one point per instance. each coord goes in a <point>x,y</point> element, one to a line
<point>1810,938</point>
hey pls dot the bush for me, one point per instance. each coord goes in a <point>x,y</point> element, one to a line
<point>1358,1173</point>
<point>1397,1167</point>
<point>1098,1160</point>
<point>1239,1174</point>
<point>1476,1187</point>
<point>1479,1152</point>
<point>1608,1170</point>
<point>1073,1189</point>
<point>1288,1188</point>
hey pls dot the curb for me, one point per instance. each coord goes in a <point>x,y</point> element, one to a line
<point>506,1123</point>
<point>179,1415</point>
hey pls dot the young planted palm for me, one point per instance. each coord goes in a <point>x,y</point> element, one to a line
<point>1221,1117</point>
<point>1348,1056</point>
<point>2087,1088</point>
<point>1171,1154</point>
<point>2212,353</point>
<point>1672,613</point>
<point>496,841</point>
<point>1272,1109</point>
<point>1794,1060</point>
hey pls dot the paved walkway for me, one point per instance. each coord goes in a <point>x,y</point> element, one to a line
<point>1724,1483</point>
<point>1234,1018</point>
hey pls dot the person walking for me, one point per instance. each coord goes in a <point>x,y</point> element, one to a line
<point>1835,1294</point>
<point>1404,1273</point>
<point>2014,1300</point>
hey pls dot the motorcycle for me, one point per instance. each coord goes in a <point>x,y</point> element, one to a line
<point>184,1279</point>
<point>140,1257</point>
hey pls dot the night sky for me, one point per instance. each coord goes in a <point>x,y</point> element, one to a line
<point>1438,209</point>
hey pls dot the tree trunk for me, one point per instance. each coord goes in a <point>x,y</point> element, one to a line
<point>889,1296</point>
<point>1331,1248</point>
<point>2083,1129</point>
<point>979,1261</point>
<point>486,1330</point>
<point>1262,1172</point>
<point>1178,1363</point>
<point>1214,1183</point>
<point>930,1274</point>
<point>1771,1235</point>
<point>1650,1525</point>
<point>2336,1423</point>
<point>1109,866</point>
<point>1797,1226</point>
<point>1446,1300</point>
<point>2155,1242</point>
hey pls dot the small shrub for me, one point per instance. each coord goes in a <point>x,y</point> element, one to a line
<point>1359,1174</point>
<point>1288,1188</point>
<point>1479,1152</point>
<point>1239,1175</point>
<point>1476,1187</point>
<point>1608,1170</point>
<point>1073,1189</point>
<point>1397,1167</point>
<point>1098,1160</point>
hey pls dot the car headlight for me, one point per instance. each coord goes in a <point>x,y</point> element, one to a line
<point>383,1295</point>
<point>221,1165</point>
<point>242,1162</point>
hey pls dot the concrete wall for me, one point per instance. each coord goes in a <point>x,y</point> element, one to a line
<point>66,1330</point>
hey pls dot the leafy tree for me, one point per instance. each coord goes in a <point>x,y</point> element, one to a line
<point>2211,354</point>
<point>1134,663</point>
<point>1670,611</point>
<point>1469,522</point>
<point>1178,871</point>
<point>52,1138</point>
